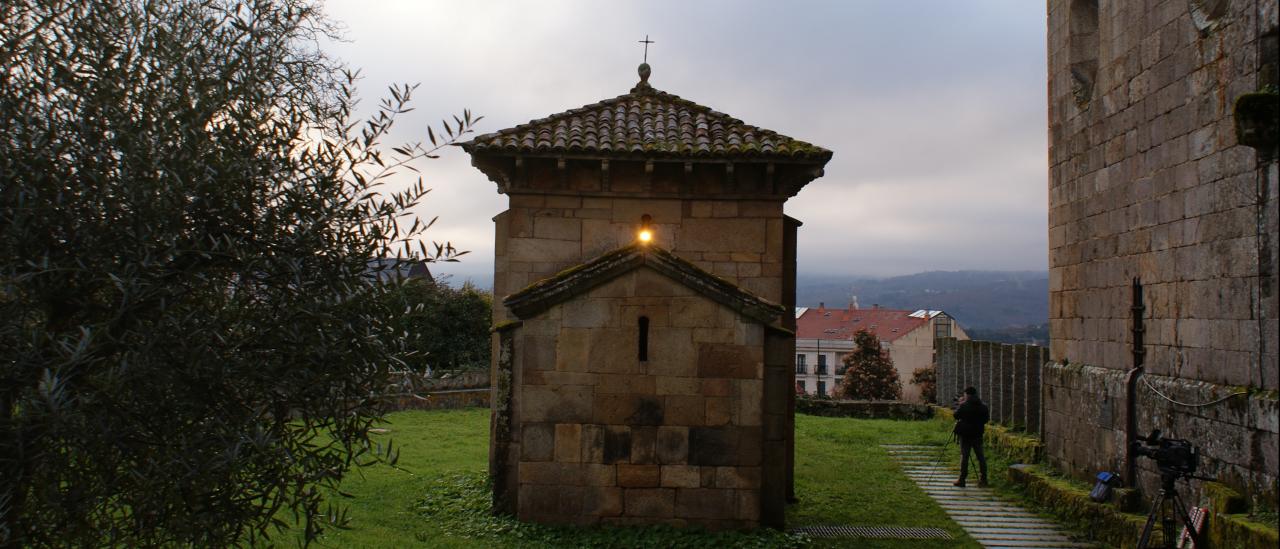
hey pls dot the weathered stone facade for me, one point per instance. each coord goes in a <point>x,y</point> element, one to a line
<point>641,382</point>
<point>1149,183</point>
<point>608,437</point>
<point>542,234</point>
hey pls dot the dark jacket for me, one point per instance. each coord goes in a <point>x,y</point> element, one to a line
<point>971,418</point>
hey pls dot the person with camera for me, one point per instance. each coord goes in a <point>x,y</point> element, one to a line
<point>971,420</point>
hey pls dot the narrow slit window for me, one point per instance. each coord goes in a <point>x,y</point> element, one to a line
<point>643,353</point>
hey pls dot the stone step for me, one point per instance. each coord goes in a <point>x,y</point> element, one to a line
<point>976,503</point>
<point>970,496</point>
<point>978,517</point>
<point>1011,544</point>
<point>1025,547</point>
<point>989,511</point>
<point>1008,545</point>
<point>988,515</point>
<point>1024,536</point>
<point>982,521</point>
<point>967,498</point>
<point>1046,529</point>
<point>981,526</point>
<point>988,519</point>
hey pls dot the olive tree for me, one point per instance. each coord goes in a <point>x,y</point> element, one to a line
<point>190,342</point>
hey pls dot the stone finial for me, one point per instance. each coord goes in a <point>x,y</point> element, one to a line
<point>644,72</point>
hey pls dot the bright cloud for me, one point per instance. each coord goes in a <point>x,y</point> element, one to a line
<point>935,109</point>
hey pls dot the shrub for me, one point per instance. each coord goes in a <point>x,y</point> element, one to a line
<point>870,374</point>
<point>445,328</point>
<point>927,379</point>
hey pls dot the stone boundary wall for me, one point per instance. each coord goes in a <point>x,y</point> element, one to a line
<point>1008,378</point>
<point>1084,427</point>
<point>865,409</point>
<point>414,391</point>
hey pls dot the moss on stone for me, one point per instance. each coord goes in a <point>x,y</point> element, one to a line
<point>1070,502</point>
<point>505,325</point>
<point>1017,447</point>
<point>1114,524</point>
<point>1224,499</point>
<point>1224,530</point>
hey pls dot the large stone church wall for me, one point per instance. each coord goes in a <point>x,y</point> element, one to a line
<point>1147,181</point>
<point>600,436</point>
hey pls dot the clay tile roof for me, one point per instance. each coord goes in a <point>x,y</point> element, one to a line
<point>886,324</point>
<point>646,122</point>
<point>575,281</point>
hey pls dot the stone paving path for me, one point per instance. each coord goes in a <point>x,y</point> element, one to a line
<point>990,520</point>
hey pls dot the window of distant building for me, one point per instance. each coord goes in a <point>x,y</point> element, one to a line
<point>822,388</point>
<point>800,366</point>
<point>822,364</point>
<point>942,327</point>
<point>799,387</point>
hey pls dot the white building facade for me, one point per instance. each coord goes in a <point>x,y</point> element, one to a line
<point>824,337</point>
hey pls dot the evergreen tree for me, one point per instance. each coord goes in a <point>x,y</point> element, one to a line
<point>869,372</point>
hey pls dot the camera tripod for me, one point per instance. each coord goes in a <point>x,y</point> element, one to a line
<point>1168,496</point>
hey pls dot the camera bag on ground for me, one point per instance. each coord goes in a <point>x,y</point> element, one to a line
<point>1101,491</point>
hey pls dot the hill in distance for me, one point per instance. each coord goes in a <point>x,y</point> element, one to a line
<point>987,301</point>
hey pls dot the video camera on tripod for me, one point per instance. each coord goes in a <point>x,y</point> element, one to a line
<point>1173,456</point>
<point>1176,458</point>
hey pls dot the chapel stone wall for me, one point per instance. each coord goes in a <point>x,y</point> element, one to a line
<point>604,437</point>
<point>542,234</point>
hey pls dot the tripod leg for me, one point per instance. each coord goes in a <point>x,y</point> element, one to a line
<point>1156,506</point>
<point>1182,514</point>
<point>938,462</point>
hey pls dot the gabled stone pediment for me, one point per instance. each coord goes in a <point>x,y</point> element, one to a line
<point>578,280</point>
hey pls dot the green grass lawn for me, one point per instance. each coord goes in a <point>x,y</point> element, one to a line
<point>437,496</point>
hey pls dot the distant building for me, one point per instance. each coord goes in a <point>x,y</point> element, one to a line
<point>825,336</point>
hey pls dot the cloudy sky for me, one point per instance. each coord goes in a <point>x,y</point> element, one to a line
<point>935,109</point>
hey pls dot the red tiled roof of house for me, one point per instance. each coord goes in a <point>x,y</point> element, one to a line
<point>886,324</point>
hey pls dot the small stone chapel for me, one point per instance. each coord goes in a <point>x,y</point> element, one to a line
<point>644,336</point>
